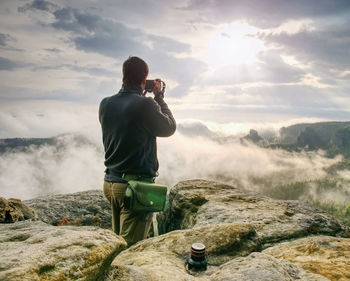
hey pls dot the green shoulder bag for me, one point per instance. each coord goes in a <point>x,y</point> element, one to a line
<point>142,194</point>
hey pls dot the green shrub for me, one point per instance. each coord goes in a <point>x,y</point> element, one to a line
<point>338,210</point>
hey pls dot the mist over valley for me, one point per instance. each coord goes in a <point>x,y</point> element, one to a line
<point>289,163</point>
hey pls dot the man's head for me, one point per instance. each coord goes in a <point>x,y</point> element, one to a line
<point>135,71</point>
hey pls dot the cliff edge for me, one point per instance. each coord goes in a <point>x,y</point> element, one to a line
<point>247,237</point>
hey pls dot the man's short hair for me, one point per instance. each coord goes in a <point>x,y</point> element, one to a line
<point>135,70</point>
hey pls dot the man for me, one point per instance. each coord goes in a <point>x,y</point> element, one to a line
<point>130,124</point>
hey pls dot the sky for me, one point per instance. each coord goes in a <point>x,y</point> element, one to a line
<point>234,64</point>
<point>229,66</point>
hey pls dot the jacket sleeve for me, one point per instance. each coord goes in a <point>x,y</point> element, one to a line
<point>158,118</point>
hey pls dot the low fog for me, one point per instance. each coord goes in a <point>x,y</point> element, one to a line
<point>67,167</point>
<point>185,157</point>
<point>72,165</point>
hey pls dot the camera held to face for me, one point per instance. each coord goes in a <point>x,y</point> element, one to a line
<point>150,86</point>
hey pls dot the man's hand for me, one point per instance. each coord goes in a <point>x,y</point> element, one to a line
<point>157,88</point>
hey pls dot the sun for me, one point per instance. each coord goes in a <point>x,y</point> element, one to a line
<point>232,44</point>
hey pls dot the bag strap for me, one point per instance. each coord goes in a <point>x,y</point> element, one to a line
<point>129,177</point>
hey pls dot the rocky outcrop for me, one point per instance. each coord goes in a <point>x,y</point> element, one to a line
<point>80,208</point>
<point>253,137</point>
<point>34,250</point>
<point>235,226</point>
<point>13,210</point>
<point>163,258</point>
<point>248,237</point>
<point>197,203</point>
<point>333,137</point>
<point>325,255</point>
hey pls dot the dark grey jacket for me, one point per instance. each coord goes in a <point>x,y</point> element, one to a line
<point>130,124</point>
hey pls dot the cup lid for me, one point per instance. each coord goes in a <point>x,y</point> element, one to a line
<point>198,246</point>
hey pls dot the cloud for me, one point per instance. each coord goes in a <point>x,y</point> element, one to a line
<point>326,48</point>
<point>265,14</point>
<point>48,118</point>
<point>195,129</point>
<point>55,168</point>
<point>92,70</point>
<point>51,169</point>
<point>185,71</point>
<point>53,50</point>
<point>79,48</point>
<point>111,38</point>
<point>92,33</point>
<point>87,89</point>
<point>268,103</point>
<point>8,65</point>
<point>297,100</point>
<point>293,95</point>
<point>4,38</point>
<point>71,19</point>
<point>168,44</point>
<point>196,157</point>
<point>270,68</point>
<point>118,41</point>
<point>38,5</point>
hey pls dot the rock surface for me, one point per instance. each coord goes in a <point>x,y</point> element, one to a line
<point>13,210</point>
<point>235,226</point>
<point>223,243</point>
<point>325,255</point>
<point>262,267</point>
<point>38,251</point>
<point>196,203</point>
<point>163,258</point>
<point>80,208</point>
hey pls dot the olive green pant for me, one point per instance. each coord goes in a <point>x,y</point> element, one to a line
<point>132,226</point>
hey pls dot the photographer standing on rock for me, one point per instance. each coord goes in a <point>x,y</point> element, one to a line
<point>130,124</point>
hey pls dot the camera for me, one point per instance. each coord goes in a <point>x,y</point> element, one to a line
<point>150,86</point>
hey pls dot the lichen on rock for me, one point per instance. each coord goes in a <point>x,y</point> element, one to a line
<point>34,250</point>
<point>263,267</point>
<point>164,257</point>
<point>13,210</point>
<point>80,208</point>
<point>325,255</point>
<point>274,220</point>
